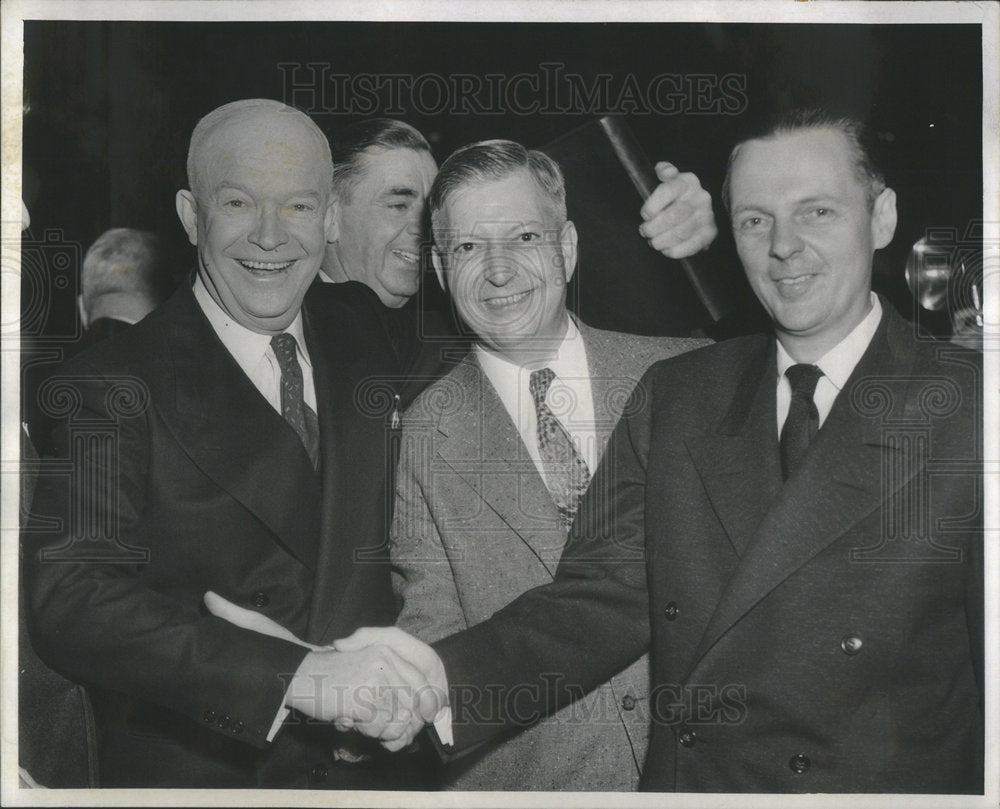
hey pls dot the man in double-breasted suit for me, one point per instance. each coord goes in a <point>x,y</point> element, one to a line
<point>477,522</point>
<point>793,521</point>
<point>222,447</point>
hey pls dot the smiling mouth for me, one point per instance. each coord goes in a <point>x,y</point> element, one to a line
<point>507,300</point>
<point>795,283</point>
<point>407,256</point>
<point>265,266</point>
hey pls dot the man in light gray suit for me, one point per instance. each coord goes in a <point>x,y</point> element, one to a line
<point>496,454</point>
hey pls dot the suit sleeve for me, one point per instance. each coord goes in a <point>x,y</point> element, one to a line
<point>561,640</point>
<point>423,579</point>
<point>94,617</point>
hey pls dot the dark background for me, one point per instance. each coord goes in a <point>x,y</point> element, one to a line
<point>112,105</point>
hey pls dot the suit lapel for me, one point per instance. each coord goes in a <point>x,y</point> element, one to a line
<point>609,386</point>
<point>230,431</point>
<point>839,483</point>
<point>336,449</point>
<point>739,464</point>
<point>481,445</point>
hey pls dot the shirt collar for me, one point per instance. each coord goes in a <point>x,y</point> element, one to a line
<point>570,360</point>
<point>839,362</point>
<point>247,347</point>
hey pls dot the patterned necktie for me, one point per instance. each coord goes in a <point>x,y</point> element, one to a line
<point>803,417</point>
<point>566,473</point>
<point>297,413</point>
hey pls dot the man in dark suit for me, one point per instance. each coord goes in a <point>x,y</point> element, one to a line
<point>383,170</point>
<point>220,447</point>
<point>793,522</point>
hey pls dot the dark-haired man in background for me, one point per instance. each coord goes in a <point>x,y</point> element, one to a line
<point>383,170</point>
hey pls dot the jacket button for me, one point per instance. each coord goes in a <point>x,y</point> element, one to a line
<point>628,702</point>
<point>209,716</point>
<point>687,737</point>
<point>851,645</point>
<point>238,726</point>
<point>260,599</point>
<point>318,773</point>
<point>223,721</point>
<point>799,763</point>
<point>671,610</point>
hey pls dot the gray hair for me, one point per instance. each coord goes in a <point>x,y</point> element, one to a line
<point>124,261</point>
<point>491,160</point>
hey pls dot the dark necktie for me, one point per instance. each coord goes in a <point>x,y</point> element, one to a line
<point>293,405</point>
<point>803,417</point>
<point>566,473</point>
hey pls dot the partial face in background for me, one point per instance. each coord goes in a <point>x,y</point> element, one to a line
<point>381,222</point>
<point>261,215</point>
<point>806,235</point>
<point>506,258</point>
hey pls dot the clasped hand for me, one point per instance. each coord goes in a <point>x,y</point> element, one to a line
<point>380,681</point>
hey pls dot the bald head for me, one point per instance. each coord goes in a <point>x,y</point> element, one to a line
<point>260,209</point>
<point>252,118</point>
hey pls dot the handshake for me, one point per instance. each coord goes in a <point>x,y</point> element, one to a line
<point>380,681</point>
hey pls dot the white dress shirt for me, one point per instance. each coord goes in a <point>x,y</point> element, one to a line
<point>570,396</point>
<point>253,353</point>
<point>837,365</point>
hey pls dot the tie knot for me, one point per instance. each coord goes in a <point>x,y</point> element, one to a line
<point>803,379</point>
<point>284,346</point>
<point>539,384</point>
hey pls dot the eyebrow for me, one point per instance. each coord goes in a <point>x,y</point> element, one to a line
<point>810,200</point>
<point>400,191</point>
<point>304,192</point>
<point>514,228</point>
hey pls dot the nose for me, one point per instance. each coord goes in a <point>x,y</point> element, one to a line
<point>268,232</point>
<point>500,267</point>
<point>785,240</point>
<point>415,221</point>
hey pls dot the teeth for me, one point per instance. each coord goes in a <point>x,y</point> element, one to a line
<point>509,299</point>
<point>406,255</point>
<point>267,265</point>
<point>794,281</point>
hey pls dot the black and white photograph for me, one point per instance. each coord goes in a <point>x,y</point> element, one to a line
<point>500,404</point>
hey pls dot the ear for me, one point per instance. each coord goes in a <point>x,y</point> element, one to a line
<point>331,222</point>
<point>567,239</point>
<point>83,311</point>
<point>884,218</point>
<point>437,259</point>
<point>187,212</point>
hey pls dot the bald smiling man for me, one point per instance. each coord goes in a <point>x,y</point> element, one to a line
<point>238,463</point>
